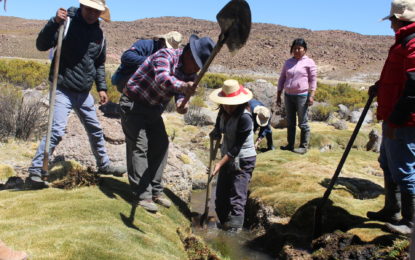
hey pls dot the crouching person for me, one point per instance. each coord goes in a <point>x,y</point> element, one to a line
<point>82,63</point>
<point>166,73</point>
<point>238,153</point>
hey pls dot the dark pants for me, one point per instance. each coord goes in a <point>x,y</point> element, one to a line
<point>147,146</point>
<point>232,191</point>
<point>270,144</point>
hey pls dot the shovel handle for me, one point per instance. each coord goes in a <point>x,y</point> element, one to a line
<point>199,77</point>
<point>52,96</point>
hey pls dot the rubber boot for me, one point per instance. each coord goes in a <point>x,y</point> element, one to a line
<point>270,145</point>
<point>290,140</point>
<point>234,224</point>
<point>6,253</point>
<point>391,210</point>
<point>404,226</point>
<point>304,141</point>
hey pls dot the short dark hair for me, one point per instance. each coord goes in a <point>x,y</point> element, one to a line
<point>298,42</point>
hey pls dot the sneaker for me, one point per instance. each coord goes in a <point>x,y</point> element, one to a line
<point>117,171</point>
<point>148,205</point>
<point>35,182</point>
<point>10,254</point>
<point>300,150</point>
<point>287,148</point>
<point>162,200</point>
<point>402,227</point>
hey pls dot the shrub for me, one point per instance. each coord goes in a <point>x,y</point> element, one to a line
<point>194,116</point>
<point>215,80</point>
<point>321,112</point>
<point>27,74</point>
<point>20,117</point>
<point>341,94</point>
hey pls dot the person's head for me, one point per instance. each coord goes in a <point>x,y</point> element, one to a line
<point>196,53</point>
<point>298,48</point>
<point>91,10</point>
<point>171,39</point>
<point>262,115</point>
<point>402,13</point>
<point>232,97</point>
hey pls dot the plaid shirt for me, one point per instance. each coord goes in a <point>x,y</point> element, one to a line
<point>158,79</point>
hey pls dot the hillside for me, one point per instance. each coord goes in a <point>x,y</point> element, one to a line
<point>340,55</point>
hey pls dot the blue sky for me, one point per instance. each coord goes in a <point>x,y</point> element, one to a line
<point>361,16</point>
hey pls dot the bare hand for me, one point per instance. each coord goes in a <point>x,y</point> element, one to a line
<point>217,169</point>
<point>188,89</point>
<point>310,100</point>
<point>180,109</point>
<point>103,98</point>
<point>257,143</point>
<point>279,101</point>
<point>61,15</point>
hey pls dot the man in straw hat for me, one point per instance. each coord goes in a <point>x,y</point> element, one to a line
<point>395,92</point>
<point>132,58</point>
<point>166,73</point>
<point>261,116</point>
<point>238,153</point>
<point>81,64</point>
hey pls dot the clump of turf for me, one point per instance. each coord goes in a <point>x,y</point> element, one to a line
<point>70,175</point>
<point>195,248</point>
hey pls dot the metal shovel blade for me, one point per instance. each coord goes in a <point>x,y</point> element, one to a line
<point>235,23</point>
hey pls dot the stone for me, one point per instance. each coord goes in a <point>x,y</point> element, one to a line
<point>374,141</point>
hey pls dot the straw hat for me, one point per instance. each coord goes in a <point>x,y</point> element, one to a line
<point>262,115</point>
<point>173,39</point>
<point>231,93</point>
<point>100,6</point>
<point>403,10</point>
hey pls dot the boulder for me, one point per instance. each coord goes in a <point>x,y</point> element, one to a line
<point>374,141</point>
<point>355,115</point>
<point>344,111</point>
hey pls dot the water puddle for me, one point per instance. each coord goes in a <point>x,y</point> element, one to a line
<point>231,245</point>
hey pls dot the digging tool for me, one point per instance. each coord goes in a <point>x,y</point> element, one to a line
<point>318,213</point>
<point>212,156</point>
<point>235,23</point>
<point>52,96</point>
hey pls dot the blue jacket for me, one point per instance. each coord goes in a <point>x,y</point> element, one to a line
<point>263,131</point>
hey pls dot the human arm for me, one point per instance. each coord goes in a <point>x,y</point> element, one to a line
<point>312,82</point>
<point>137,54</point>
<point>47,37</point>
<point>281,82</point>
<point>100,81</point>
<point>406,103</point>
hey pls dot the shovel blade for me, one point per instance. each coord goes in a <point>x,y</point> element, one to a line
<point>235,22</point>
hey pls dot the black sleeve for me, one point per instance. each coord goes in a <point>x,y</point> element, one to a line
<point>100,69</point>
<point>244,129</point>
<point>47,38</point>
<point>406,104</point>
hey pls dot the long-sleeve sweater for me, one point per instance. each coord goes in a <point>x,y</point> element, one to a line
<point>298,76</point>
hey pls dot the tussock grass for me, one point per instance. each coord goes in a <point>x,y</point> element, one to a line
<point>89,223</point>
<point>292,183</point>
<point>6,172</point>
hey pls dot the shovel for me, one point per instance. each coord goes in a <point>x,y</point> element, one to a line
<point>235,23</point>
<point>318,214</point>
<point>212,156</point>
<point>52,97</point>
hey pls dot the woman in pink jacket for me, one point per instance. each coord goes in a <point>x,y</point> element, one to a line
<point>298,79</point>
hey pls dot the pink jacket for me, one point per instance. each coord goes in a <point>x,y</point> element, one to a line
<point>298,76</point>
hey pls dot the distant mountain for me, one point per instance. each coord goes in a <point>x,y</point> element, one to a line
<point>340,55</point>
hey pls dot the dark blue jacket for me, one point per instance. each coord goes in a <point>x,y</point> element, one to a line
<point>253,103</point>
<point>82,60</point>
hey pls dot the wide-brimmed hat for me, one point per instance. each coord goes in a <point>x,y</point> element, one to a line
<point>173,39</point>
<point>231,93</point>
<point>403,10</point>
<point>262,115</point>
<point>201,49</point>
<point>100,6</point>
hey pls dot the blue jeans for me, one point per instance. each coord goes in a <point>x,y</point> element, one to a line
<point>296,105</point>
<point>397,157</point>
<point>83,104</point>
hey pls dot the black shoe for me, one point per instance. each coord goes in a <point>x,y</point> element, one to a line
<point>35,182</point>
<point>300,150</point>
<point>287,148</point>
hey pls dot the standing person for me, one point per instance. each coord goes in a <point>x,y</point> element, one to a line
<point>261,116</point>
<point>166,73</point>
<point>298,79</point>
<point>6,253</point>
<point>238,153</point>
<point>141,49</point>
<point>82,64</point>
<point>395,92</point>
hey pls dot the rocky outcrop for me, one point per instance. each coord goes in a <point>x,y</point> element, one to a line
<point>181,164</point>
